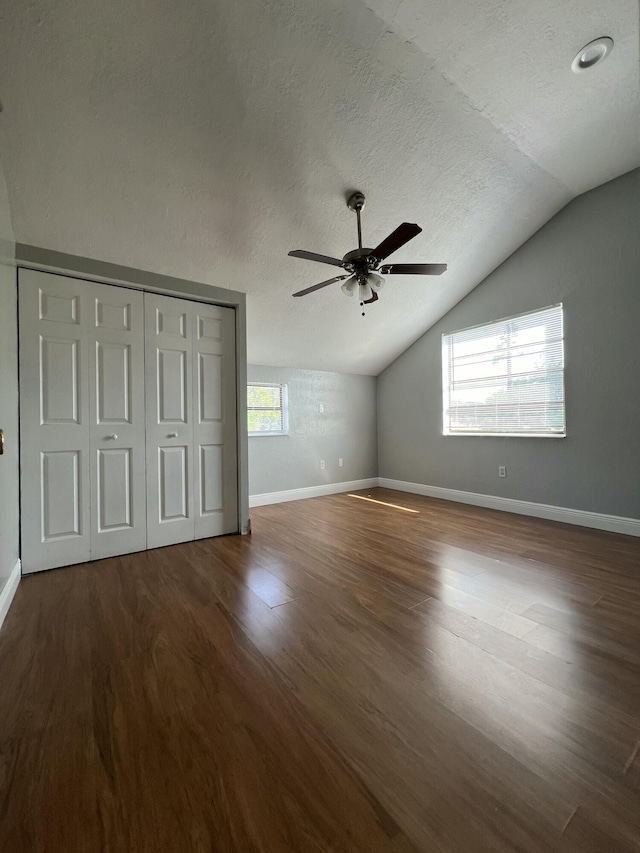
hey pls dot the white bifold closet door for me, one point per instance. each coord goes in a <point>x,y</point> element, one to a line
<point>82,420</point>
<point>117,456</point>
<point>191,420</point>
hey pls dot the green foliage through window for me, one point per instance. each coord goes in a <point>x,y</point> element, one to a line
<point>266,409</point>
<point>506,377</point>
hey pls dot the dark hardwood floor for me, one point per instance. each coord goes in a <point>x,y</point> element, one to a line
<point>351,677</point>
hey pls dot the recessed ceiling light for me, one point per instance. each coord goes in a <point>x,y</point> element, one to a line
<point>592,54</point>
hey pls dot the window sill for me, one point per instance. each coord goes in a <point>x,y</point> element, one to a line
<point>504,434</point>
<point>267,434</point>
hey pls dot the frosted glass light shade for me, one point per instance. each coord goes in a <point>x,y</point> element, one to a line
<point>349,286</point>
<point>364,292</point>
<point>375,281</point>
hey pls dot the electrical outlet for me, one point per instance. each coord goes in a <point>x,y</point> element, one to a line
<point>321,408</point>
<point>502,470</point>
<point>322,464</point>
<point>340,462</point>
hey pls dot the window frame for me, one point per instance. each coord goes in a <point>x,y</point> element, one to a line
<point>283,409</point>
<point>446,384</point>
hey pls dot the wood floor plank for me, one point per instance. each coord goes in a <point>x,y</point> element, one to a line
<point>350,677</point>
<point>492,614</point>
<point>269,587</point>
<point>608,639</point>
<point>593,831</point>
<point>549,661</point>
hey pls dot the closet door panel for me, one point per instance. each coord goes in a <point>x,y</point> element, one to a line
<point>54,420</point>
<point>118,476</point>
<point>214,419</point>
<point>211,480</point>
<point>59,378</point>
<point>169,380</point>
<point>114,488</point>
<point>174,482</point>
<point>60,476</point>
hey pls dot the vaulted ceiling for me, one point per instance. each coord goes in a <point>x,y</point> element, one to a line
<point>206,139</point>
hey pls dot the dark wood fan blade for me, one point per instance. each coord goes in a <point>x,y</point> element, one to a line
<point>318,286</point>
<point>403,233</point>
<point>374,298</point>
<point>312,256</point>
<point>413,269</point>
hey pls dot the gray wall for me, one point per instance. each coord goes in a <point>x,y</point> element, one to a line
<point>346,429</point>
<point>587,257</point>
<point>9,494</point>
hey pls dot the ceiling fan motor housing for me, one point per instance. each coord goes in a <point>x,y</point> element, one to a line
<point>360,262</point>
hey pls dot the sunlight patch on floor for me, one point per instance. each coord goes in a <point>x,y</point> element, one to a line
<point>384,503</point>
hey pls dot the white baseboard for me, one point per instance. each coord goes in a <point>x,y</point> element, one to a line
<point>8,591</point>
<point>597,520</point>
<point>582,518</point>
<point>311,492</point>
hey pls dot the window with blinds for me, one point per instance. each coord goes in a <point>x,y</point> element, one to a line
<point>267,409</point>
<point>506,378</point>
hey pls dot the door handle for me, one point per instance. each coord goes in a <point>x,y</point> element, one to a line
<point>172,435</point>
<point>113,436</point>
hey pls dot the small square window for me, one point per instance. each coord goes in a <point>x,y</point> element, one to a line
<point>267,410</point>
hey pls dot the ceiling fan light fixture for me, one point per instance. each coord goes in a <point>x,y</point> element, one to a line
<point>592,54</point>
<point>375,281</point>
<point>349,287</point>
<point>364,292</point>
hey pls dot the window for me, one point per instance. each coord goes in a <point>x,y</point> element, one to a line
<point>267,409</point>
<point>505,378</point>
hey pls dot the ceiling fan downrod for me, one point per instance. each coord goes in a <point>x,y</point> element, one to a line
<point>362,266</point>
<point>356,202</point>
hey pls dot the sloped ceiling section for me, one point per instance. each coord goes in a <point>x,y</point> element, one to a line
<point>206,139</point>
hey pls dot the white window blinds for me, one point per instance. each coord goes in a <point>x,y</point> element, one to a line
<point>266,409</point>
<point>506,378</point>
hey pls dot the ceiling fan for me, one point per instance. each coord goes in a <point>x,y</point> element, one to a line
<point>364,265</point>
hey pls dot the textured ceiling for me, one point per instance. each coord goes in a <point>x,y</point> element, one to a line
<point>206,139</point>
